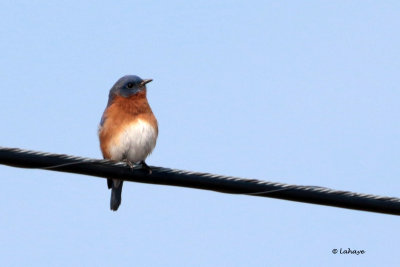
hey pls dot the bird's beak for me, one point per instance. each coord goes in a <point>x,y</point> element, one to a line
<point>146,81</point>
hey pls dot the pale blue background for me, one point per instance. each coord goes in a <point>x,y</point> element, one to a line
<point>302,92</point>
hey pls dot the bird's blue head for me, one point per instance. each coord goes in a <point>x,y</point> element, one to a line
<point>129,85</point>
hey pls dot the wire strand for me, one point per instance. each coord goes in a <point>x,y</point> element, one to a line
<point>21,158</point>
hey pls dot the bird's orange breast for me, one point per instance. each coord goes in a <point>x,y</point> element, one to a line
<point>120,114</point>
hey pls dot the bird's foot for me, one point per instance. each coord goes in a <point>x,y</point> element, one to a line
<point>146,167</point>
<point>129,163</point>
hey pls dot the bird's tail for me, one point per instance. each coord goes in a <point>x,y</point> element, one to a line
<point>116,190</point>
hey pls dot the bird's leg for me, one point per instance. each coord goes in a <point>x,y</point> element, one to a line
<point>129,163</point>
<point>146,167</point>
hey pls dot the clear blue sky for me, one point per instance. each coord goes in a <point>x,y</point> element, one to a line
<point>302,92</point>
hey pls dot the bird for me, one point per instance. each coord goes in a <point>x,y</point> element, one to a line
<point>128,129</point>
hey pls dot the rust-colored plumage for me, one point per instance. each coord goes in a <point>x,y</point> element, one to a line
<point>121,113</point>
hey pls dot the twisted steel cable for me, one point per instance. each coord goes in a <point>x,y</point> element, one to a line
<point>225,184</point>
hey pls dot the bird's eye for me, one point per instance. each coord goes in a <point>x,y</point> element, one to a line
<point>129,85</point>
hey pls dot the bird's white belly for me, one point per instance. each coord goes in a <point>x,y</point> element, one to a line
<point>135,143</point>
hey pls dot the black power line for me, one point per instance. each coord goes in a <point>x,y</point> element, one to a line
<point>225,184</point>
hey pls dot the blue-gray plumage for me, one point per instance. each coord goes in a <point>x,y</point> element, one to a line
<point>126,86</point>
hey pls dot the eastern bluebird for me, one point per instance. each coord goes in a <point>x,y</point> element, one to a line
<point>128,129</point>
